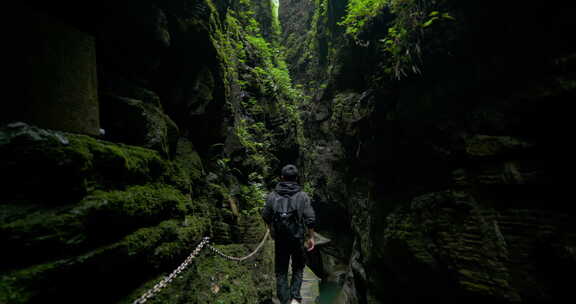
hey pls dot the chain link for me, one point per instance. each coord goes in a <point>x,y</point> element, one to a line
<point>220,253</point>
<point>205,242</point>
<point>158,287</point>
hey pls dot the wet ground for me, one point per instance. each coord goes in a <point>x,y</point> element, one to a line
<point>309,289</point>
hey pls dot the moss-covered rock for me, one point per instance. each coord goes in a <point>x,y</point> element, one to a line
<point>187,167</point>
<point>58,166</point>
<point>116,267</point>
<point>490,146</point>
<point>212,279</point>
<point>127,208</point>
<point>427,170</point>
<point>138,123</point>
<point>99,218</point>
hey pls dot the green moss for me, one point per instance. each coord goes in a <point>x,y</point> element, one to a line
<point>360,12</point>
<point>233,279</point>
<point>20,286</point>
<point>142,241</point>
<point>147,201</point>
<point>253,65</point>
<point>179,237</point>
<point>156,246</point>
<point>100,216</point>
<point>129,162</point>
<point>80,163</point>
<point>403,42</point>
<point>144,251</point>
<point>179,177</point>
<point>476,288</point>
<point>489,146</point>
<point>186,168</point>
<point>214,280</point>
<point>41,228</point>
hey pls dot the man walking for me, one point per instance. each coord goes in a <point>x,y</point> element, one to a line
<point>290,217</point>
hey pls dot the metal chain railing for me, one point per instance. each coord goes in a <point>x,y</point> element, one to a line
<point>220,253</point>
<point>160,285</point>
<point>205,242</point>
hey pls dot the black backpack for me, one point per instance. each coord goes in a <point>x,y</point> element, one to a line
<point>286,220</point>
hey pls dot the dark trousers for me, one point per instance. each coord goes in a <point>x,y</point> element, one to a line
<point>284,250</point>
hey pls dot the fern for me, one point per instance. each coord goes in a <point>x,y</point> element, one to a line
<point>402,42</point>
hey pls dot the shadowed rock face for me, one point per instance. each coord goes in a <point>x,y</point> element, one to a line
<point>136,122</point>
<point>441,185</point>
<point>55,81</point>
<point>449,182</point>
<point>166,47</point>
<point>102,218</point>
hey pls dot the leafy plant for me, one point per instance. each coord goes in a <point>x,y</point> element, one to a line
<point>402,43</point>
<point>359,13</point>
<point>253,195</point>
<point>436,15</point>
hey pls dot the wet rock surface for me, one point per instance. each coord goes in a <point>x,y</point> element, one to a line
<point>422,183</point>
<point>443,184</point>
<point>184,150</point>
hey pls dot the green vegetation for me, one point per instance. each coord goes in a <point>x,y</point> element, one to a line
<point>115,161</point>
<point>257,66</point>
<point>139,210</point>
<point>213,280</point>
<point>271,73</point>
<point>15,287</point>
<point>150,247</point>
<point>252,198</point>
<point>133,207</point>
<point>402,43</point>
<point>360,12</point>
<point>275,21</point>
<point>83,163</point>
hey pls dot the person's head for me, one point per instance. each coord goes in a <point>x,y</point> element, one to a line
<point>289,173</point>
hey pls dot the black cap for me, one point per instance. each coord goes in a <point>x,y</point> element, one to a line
<point>289,171</point>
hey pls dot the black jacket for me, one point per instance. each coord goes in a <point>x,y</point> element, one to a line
<point>301,201</point>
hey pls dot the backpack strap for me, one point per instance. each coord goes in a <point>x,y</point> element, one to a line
<point>278,206</point>
<point>298,208</point>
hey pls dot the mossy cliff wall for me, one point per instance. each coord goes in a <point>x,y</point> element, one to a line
<point>445,165</point>
<point>196,115</point>
<point>434,134</point>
